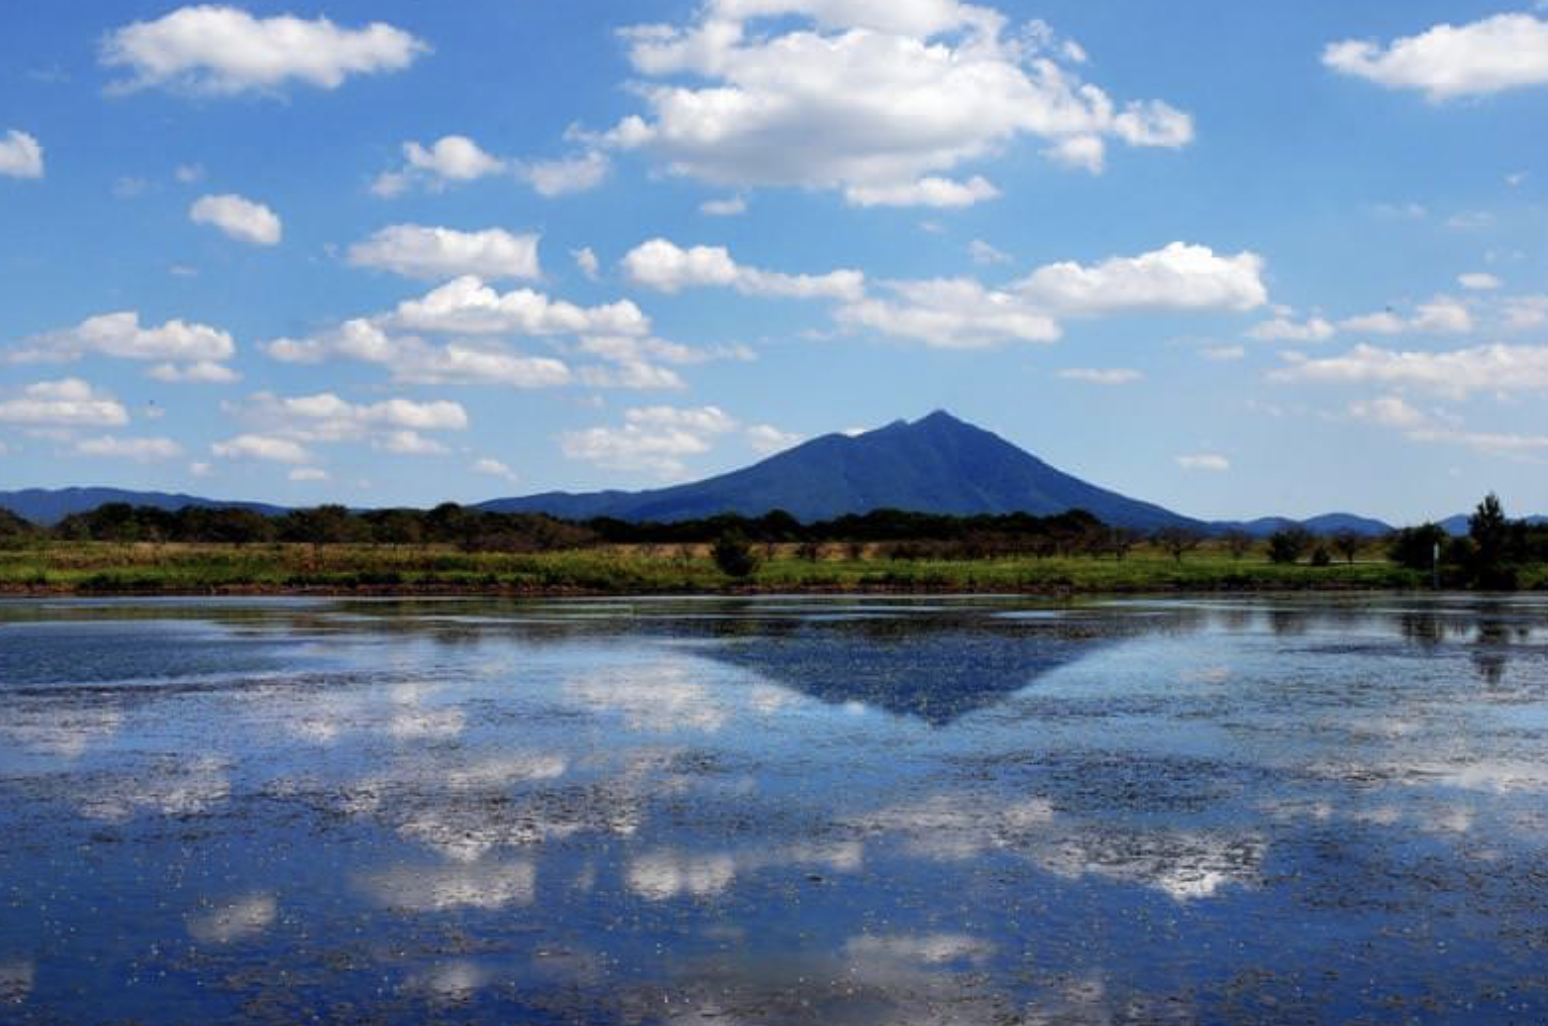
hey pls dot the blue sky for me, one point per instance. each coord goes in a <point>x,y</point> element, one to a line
<point>1238,259</point>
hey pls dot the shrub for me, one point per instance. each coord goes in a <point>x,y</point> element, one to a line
<point>734,556</point>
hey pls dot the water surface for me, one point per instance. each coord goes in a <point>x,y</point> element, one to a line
<point>774,811</point>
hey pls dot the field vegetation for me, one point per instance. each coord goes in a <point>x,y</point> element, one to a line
<point>120,549</point>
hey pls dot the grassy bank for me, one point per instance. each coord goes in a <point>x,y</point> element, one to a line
<point>106,568</point>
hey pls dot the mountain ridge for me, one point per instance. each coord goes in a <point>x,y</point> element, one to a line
<point>937,464</point>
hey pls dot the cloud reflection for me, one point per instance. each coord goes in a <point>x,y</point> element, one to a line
<point>238,920</point>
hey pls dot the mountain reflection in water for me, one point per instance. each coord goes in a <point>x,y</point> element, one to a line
<point>774,811</point>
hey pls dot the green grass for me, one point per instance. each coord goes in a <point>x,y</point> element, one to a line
<point>102,568</point>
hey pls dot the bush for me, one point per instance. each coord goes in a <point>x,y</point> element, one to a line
<point>734,556</point>
<point>1321,556</point>
<point>1289,545</point>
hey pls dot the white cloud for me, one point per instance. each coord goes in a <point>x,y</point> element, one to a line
<point>654,439</point>
<point>1523,313</point>
<point>1447,62</point>
<point>931,191</point>
<point>1477,282</point>
<point>20,155</point>
<point>586,260</point>
<point>265,448</point>
<point>494,468</point>
<point>240,218</point>
<point>1394,412</point>
<point>767,439</point>
<point>139,450</point>
<point>409,443</point>
<point>189,174</point>
<point>222,50</point>
<point>414,361</point>
<point>879,101</point>
<point>1283,329</point>
<point>68,402</point>
<point>731,206</point>
<point>1102,376</point>
<point>1491,368</point>
<point>1441,315</point>
<point>1178,277</point>
<point>1389,411</point>
<point>467,306</point>
<point>450,159</point>
<point>203,372</point>
<point>308,474</point>
<point>666,267</point>
<point>983,253</point>
<point>121,335</point>
<point>952,313</point>
<point>1223,354</point>
<point>1207,461</point>
<point>416,251</point>
<point>569,175</point>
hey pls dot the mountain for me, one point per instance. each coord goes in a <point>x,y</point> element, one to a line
<point>1327,523</point>
<point>935,465</point>
<point>49,506</point>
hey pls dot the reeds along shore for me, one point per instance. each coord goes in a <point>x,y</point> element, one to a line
<point>178,568</point>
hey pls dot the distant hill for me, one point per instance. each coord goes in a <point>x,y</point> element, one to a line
<point>49,506</point>
<point>935,465</point>
<point>1327,523</point>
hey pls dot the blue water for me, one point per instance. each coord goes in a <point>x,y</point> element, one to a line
<point>774,811</point>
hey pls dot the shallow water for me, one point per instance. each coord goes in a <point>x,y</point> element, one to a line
<point>774,811</point>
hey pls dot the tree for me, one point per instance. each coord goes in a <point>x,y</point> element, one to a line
<point>1347,544</point>
<point>811,551</point>
<point>1289,545</point>
<point>1178,541</point>
<point>1489,530</point>
<point>1414,547</point>
<point>1120,540</point>
<point>734,555</point>
<point>1238,543</point>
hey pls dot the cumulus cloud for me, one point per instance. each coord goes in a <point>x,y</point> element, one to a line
<point>415,361</point>
<point>1440,315</point>
<point>139,450</point>
<point>1102,376</point>
<point>308,475</point>
<point>1392,411</point>
<point>20,155</point>
<point>952,313</point>
<point>930,191</point>
<point>1205,461</point>
<point>68,402</point>
<point>202,372</point>
<point>450,159</point>
<point>667,267</point>
<point>1458,373</point>
<point>1284,329</point>
<point>586,260</point>
<point>984,253</point>
<point>1179,276</point>
<point>1479,282</point>
<point>494,468</point>
<point>189,352</point>
<point>878,101</point>
<point>1448,62</point>
<point>222,50</point>
<point>467,306</point>
<point>766,439</point>
<point>238,217</point>
<point>567,175</point>
<point>416,251</point>
<point>654,439</point>
<point>264,448</point>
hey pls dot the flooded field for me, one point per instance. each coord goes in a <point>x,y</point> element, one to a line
<point>775,811</point>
